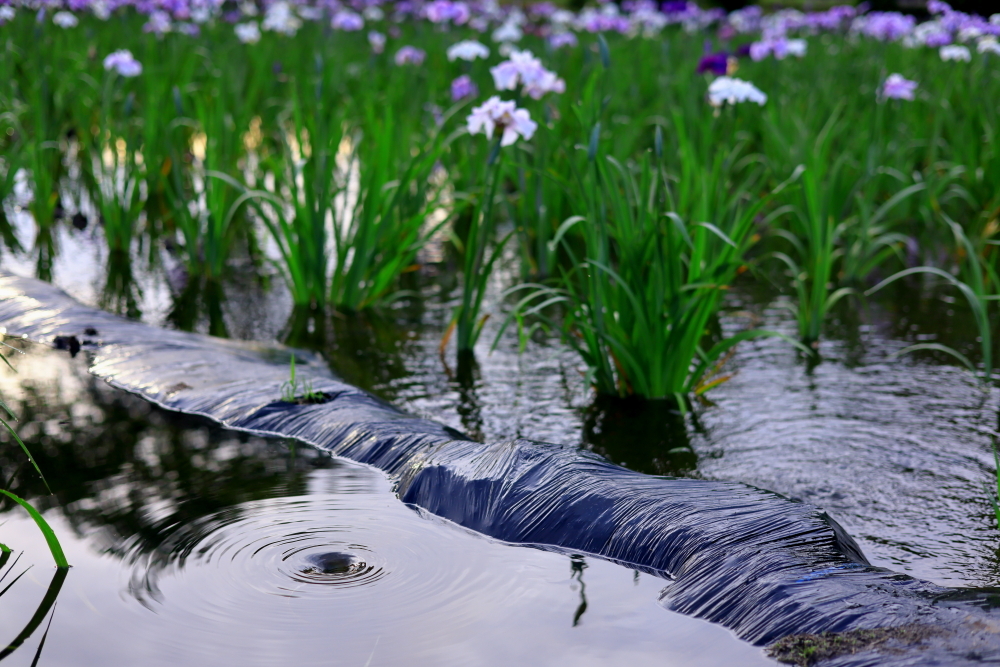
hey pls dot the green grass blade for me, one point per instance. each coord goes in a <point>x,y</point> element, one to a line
<point>939,348</point>
<point>43,525</point>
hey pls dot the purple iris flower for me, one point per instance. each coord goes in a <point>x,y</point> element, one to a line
<point>716,63</point>
<point>463,87</point>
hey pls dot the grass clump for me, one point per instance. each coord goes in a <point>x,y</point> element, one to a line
<point>642,293</point>
<point>300,391</point>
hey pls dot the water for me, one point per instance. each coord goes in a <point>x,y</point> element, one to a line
<point>896,449</point>
<point>198,546</point>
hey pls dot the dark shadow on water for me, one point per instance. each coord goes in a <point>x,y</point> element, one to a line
<point>45,249</point>
<point>110,457</point>
<point>366,349</point>
<point>121,294</point>
<point>200,297</point>
<point>465,379</point>
<point>649,436</point>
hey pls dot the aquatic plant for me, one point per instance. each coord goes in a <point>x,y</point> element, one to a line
<point>10,415</point>
<point>299,391</point>
<point>503,123</point>
<point>978,283</point>
<point>378,205</point>
<point>338,163</point>
<point>639,300</point>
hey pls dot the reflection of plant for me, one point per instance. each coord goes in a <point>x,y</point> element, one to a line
<point>295,391</point>
<point>47,603</point>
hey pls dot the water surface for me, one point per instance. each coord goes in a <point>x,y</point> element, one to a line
<point>199,546</point>
<point>898,449</point>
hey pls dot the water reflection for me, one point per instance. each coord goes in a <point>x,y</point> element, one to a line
<point>121,294</point>
<point>124,468</point>
<point>200,298</point>
<point>196,546</point>
<point>38,617</point>
<point>648,436</point>
<point>577,566</point>
<point>366,349</point>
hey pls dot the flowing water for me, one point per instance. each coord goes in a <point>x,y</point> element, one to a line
<point>187,536</point>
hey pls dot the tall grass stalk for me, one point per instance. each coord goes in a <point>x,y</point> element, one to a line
<point>114,174</point>
<point>478,260</point>
<point>205,202</point>
<point>812,231</point>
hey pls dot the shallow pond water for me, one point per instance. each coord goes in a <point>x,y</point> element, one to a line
<point>199,546</point>
<point>898,449</point>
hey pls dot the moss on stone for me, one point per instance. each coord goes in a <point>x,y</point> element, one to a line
<point>807,650</point>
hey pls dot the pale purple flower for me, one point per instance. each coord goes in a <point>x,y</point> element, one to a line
<point>779,47</point>
<point>65,20</point>
<point>746,20</point>
<point>526,70</point>
<point>122,62</point>
<point>377,41</point>
<point>988,44</point>
<point>955,53</point>
<point>100,9</point>
<point>897,88</point>
<point>189,29</point>
<point>760,50</point>
<point>558,40</point>
<point>884,26</point>
<point>443,11</point>
<point>410,55</point>
<point>508,32</point>
<point>463,87</point>
<point>201,14</point>
<point>310,13</point>
<point>7,13</point>
<point>938,38</point>
<point>467,50</point>
<point>647,21</point>
<point>248,33</point>
<point>279,18</point>
<point>730,90</point>
<point>969,33</point>
<point>496,115</point>
<point>347,21</point>
<point>561,18</point>
<point>796,47</point>
<point>158,23</point>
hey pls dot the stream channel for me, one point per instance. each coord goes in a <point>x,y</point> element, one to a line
<point>198,545</point>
